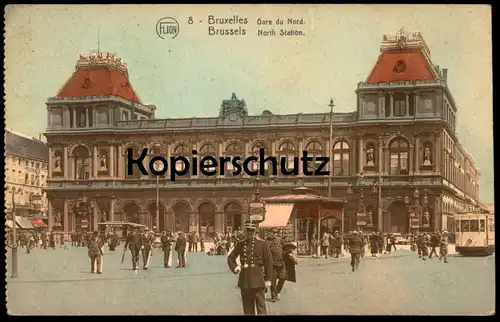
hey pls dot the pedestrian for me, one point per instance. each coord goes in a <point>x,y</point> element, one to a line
<point>443,247</point>
<point>290,260</point>
<point>388,245</point>
<point>134,242</point>
<point>52,240</point>
<point>146,249</point>
<point>325,244</point>
<point>180,248</point>
<point>435,241</point>
<point>195,241</point>
<point>374,244</point>
<point>380,243</point>
<point>95,252</point>
<point>255,271</point>
<point>421,247</point>
<point>276,246</point>
<point>337,244</point>
<point>202,241</point>
<point>356,244</point>
<point>166,245</point>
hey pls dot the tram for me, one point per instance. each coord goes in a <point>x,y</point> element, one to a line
<point>475,234</point>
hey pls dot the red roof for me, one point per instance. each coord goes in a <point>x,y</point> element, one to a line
<point>98,81</point>
<point>415,67</point>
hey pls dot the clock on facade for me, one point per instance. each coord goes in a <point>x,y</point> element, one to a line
<point>233,117</point>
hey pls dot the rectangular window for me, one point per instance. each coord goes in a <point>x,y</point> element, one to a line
<point>464,225</point>
<point>474,225</point>
<point>394,163</point>
<point>482,226</point>
<point>399,107</point>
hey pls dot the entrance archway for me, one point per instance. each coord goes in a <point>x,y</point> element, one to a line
<point>207,219</point>
<point>152,217</point>
<point>399,217</point>
<point>181,213</point>
<point>131,211</point>
<point>232,212</point>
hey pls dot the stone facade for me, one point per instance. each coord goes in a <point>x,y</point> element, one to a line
<point>400,139</point>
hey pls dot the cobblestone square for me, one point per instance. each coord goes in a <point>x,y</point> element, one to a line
<point>58,282</point>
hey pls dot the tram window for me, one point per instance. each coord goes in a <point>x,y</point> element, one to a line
<point>474,227</point>
<point>464,226</point>
<point>481,225</point>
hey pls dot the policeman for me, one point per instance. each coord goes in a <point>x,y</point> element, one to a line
<point>255,271</point>
<point>134,242</point>
<point>166,244</point>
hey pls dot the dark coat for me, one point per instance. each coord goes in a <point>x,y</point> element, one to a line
<point>337,241</point>
<point>356,244</point>
<point>133,241</point>
<point>95,246</point>
<point>180,244</point>
<point>252,277</point>
<point>374,243</point>
<point>290,262</point>
<point>166,242</point>
<point>276,247</point>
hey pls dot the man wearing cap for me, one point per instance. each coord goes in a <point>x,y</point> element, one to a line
<point>180,248</point>
<point>166,245</point>
<point>134,243</point>
<point>443,246</point>
<point>147,246</point>
<point>356,244</point>
<point>255,271</point>
<point>276,246</point>
<point>95,253</point>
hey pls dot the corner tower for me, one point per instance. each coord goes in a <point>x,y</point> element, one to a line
<point>404,84</point>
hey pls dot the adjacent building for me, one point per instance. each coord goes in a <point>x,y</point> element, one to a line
<point>26,173</point>
<point>397,158</point>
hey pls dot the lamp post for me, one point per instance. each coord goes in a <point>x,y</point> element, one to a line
<point>330,149</point>
<point>256,207</point>
<point>414,207</point>
<point>14,238</point>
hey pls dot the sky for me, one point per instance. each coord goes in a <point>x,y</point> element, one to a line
<point>191,74</point>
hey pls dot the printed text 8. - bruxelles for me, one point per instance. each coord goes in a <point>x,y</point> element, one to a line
<point>212,166</point>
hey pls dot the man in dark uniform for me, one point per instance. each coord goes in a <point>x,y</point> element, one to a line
<point>166,245</point>
<point>276,246</point>
<point>180,248</point>
<point>255,269</point>
<point>356,244</point>
<point>146,249</point>
<point>95,246</point>
<point>134,242</point>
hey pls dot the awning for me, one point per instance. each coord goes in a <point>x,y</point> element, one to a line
<point>277,215</point>
<point>8,223</point>
<point>24,223</point>
<point>38,223</point>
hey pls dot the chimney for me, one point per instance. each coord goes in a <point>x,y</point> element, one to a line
<point>445,75</point>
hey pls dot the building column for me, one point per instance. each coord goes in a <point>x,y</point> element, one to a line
<point>417,154</point>
<point>301,148</point>
<point>65,216</point>
<point>411,158</point>
<point>220,152</point>
<point>380,106</point>
<point>66,117</point>
<point>407,108</point>
<point>438,151</point>
<point>416,102</point>
<point>66,175</point>
<point>170,221</point>
<point>360,155</point>
<point>112,209</point>
<point>380,156</point>
<point>94,161</point>
<point>385,161</point>
<point>50,215</point>
<point>74,117</point>
<point>87,124</point>
<point>121,170</point>
<point>111,165</point>
<point>392,105</point>
<point>50,166</point>
<point>219,222</point>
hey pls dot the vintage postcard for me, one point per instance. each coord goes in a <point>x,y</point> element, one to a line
<point>249,160</point>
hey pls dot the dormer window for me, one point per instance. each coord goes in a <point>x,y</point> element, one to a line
<point>400,66</point>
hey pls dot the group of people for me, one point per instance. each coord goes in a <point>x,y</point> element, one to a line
<point>263,265</point>
<point>437,239</point>
<point>224,242</point>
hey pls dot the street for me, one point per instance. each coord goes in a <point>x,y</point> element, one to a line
<point>58,282</point>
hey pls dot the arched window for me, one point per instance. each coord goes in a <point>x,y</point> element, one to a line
<point>314,149</point>
<point>288,153</point>
<point>232,150</point>
<point>181,214</point>
<point>156,151</point>
<point>181,151</point>
<point>136,172</point>
<point>254,165</point>
<point>398,150</point>
<point>341,152</point>
<point>82,161</point>
<point>206,151</point>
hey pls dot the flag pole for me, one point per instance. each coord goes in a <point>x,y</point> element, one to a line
<point>14,238</point>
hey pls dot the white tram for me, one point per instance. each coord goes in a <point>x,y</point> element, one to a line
<point>475,234</point>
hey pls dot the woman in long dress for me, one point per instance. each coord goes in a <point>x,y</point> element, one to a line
<point>290,260</point>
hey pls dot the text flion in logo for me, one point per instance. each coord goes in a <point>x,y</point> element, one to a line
<point>212,166</point>
<point>167,27</point>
